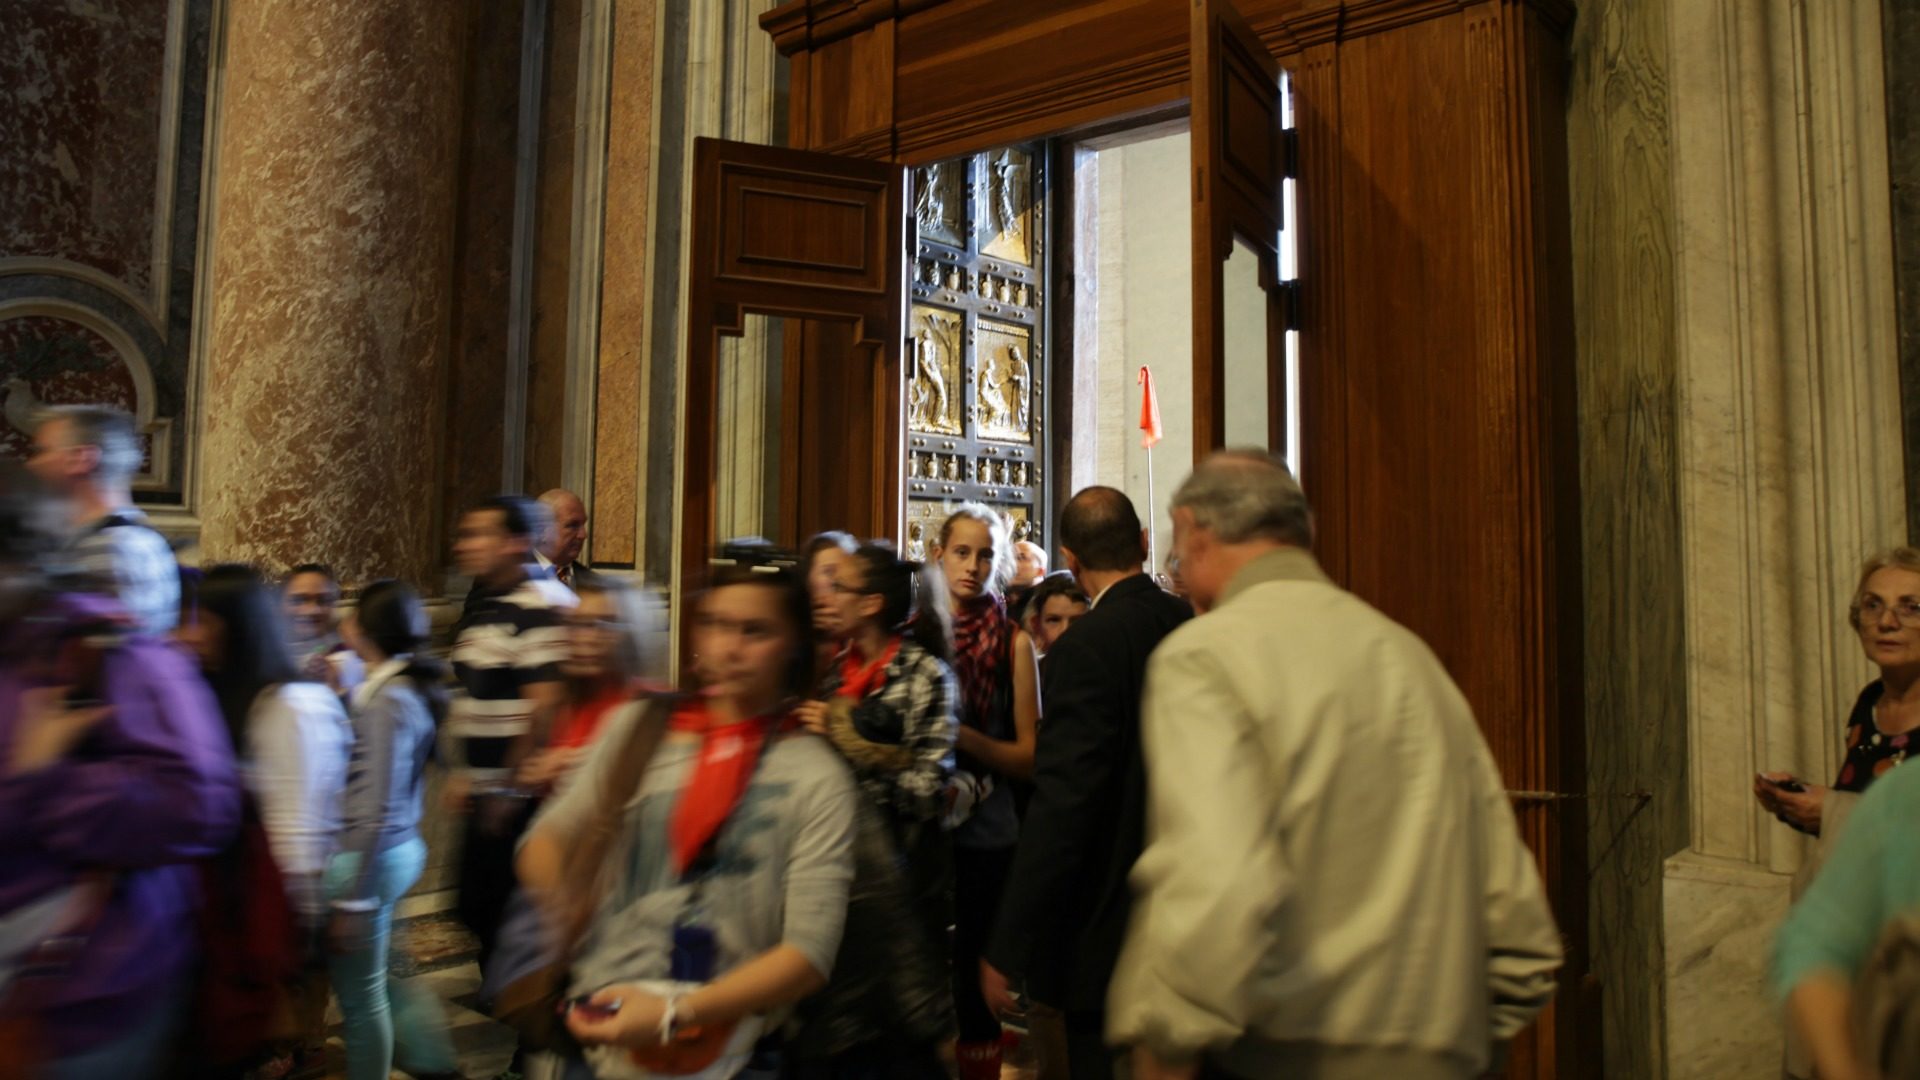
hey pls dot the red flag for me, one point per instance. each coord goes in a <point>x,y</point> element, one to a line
<point>1149,410</point>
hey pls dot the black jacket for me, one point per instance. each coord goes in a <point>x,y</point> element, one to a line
<point>1064,914</point>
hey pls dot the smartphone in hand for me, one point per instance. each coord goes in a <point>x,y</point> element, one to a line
<point>588,1009</point>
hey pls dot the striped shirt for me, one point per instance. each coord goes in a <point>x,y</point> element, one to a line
<point>119,556</point>
<point>505,642</point>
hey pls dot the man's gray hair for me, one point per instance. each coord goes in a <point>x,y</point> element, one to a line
<point>1247,494</point>
<point>109,429</point>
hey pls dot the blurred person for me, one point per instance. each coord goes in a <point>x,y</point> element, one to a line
<point>1029,567</point>
<point>1066,905</point>
<point>309,594</point>
<point>729,834</point>
<point>381,853</point>
<point>888,707</point>
<point>999,718</point>
<point>115,779</point>
<point>1171,579</point>
<point>820,567</point>
<point>1057,602</point>
<point>1844,961</point>
<point>88,455</point>
<point>292,739</point>
<point>607,657</point>
<point>508,647</point>
<point>564,539</point>
<point>290,733</point>
<point>1273,727</point>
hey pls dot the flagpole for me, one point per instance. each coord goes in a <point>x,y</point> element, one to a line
<point>1150,434</point>
<point>1153,521</point>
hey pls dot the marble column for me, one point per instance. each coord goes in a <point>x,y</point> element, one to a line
<point>1789,460</point>
<point>335,188</point>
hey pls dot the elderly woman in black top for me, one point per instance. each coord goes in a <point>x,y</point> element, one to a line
<point>1885,724</point>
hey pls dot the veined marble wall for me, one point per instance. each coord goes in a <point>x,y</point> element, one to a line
<point>1738,367</point>
<point>103,109</point>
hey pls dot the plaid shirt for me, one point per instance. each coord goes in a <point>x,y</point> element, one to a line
<point>119,556</point>
<point>915,701</point>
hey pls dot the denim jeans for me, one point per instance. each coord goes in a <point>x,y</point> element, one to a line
<point>384,1019</point>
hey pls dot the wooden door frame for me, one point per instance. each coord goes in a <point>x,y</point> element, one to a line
<point>726,286</point>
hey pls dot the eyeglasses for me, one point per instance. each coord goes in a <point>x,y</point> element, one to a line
<point>845,589</point>
<point>1870,610</point>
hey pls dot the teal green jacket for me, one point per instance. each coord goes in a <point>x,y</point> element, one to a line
<point>1872,875</point>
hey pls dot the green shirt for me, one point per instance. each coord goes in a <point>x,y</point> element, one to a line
<point>1872,876</point>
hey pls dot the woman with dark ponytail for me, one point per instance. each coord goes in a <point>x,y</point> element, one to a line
<point>889,710</point>
<point>396,713</point>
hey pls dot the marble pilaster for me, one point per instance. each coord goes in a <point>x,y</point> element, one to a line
<point>331,284</point>
<point>1789,461</point>
<point>734,97</point>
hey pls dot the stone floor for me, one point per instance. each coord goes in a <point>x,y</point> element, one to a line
<point>434,952</point>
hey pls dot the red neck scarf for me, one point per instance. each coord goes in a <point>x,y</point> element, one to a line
<point>578,723</point>
<point>728,755</point>
<point>982,633</point>
<point>857,681</point>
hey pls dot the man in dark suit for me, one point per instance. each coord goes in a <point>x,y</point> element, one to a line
<point>1064,914</point>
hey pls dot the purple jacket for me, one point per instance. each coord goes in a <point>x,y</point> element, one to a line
<point>150,789</point>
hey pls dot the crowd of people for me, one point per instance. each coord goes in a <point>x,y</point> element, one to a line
<point>892,812</point>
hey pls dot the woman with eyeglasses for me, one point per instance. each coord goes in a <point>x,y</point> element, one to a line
<point>888,707</point>
<point>1882,730</point>
<point>1885,724</point>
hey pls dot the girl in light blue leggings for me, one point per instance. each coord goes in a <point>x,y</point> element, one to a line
<point>395,713</point>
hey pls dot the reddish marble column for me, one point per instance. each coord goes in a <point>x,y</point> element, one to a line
<point>335,190</point>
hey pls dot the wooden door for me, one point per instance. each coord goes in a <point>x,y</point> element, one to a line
<point>1239,167</point>
<point>815,240</point>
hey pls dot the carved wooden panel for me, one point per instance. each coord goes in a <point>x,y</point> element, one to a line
<point>787,226</point>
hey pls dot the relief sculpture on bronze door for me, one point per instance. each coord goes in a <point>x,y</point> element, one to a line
<point>976,342</point>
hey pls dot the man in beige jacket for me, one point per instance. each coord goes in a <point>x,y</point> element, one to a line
<point>1334,887</point>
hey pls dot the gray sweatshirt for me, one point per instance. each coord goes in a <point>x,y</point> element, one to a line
<point>393,738</point>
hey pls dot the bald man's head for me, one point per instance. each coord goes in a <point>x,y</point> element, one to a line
<point>563,542</point>
<point>1101,529</point>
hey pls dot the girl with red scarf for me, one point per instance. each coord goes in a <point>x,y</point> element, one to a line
<point>722,893</point>
<point>999,715</point>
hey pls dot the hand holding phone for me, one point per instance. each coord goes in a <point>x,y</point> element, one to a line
<point>590,1009</point>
